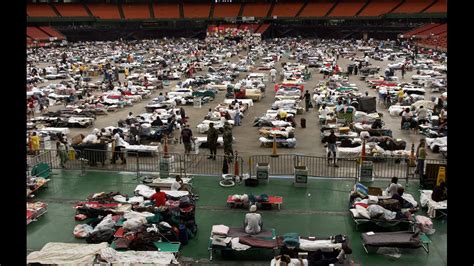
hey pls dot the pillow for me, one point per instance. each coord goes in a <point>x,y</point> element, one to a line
<point>355,213</point>
<point>362,211</point>
<point>373,199</point>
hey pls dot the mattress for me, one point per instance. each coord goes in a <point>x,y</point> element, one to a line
<point>392,239</point>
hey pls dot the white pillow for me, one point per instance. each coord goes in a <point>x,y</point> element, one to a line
<point>362,211</point>
<point>373,200</point>
<point>355,213</point>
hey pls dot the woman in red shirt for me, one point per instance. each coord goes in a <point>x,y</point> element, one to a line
<point>159,197</point>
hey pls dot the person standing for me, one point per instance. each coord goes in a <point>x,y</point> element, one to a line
<point>61,151</point>
<point>237,115</point>
<point>422,114</point>
<point>126,72</point>
<point>35,143</point>
<point>403,71</point>
<point>356,69</point>
<point>120,143</point>
<point>401,95</point>
<point>420,157</point>
<point>228,139</point>
<point>273,73</point>
<point>183,115</point>
<point>332,146</point>
<point>307,100</point>
<point>186,138</point>
<point>212,136</point>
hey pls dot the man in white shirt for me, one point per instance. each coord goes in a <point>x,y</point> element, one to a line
<point>273,73</point>
<point>253,221</point>
<point>422,114</point>
<point>119,144</point>
<point>323,114</point>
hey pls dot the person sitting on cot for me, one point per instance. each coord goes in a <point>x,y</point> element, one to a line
<point>178,184</point>
<point>253,221</point>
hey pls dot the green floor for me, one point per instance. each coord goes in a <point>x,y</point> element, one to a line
<point>319,210</point>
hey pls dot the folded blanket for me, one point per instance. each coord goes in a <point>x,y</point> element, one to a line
<point>220,229</point>
<point>236,245</point>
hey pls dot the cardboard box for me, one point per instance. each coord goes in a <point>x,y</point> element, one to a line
<point>375,191</point>
<point>344,130</point>
<point>77,139</point>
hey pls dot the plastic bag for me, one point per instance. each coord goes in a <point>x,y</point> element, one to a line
<point>82,230</point>
<point>106,223</point>
<point>425,224</point>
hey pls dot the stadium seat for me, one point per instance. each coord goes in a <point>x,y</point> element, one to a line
<point>71,10</point>
<point>258,10</point>
<point>196,10</point>
<point>286,9</point>
<point>316,9</point>
<point>378,8</point>
<point>412,6</point>
<point>52,32</point>
<point>136,11</point>
<point>40,10</point>
<point>348,8</point>
<point>36,34</point>
<point>439,7</point>
<point>223,10</point>
<point>166,11</point>
<point>104,11</point>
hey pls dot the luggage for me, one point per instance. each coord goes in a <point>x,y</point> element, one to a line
<point>303,122</point>
<point>390,204</point>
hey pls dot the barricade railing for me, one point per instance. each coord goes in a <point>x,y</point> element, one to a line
<point>199,164</point>
<point>139,162</point>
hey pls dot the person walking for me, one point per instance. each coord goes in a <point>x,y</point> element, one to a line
<point>212,136</point>
<point>420,157</point>
<point>307,100</point>
<point>186,138</point>
<point>273,74</point>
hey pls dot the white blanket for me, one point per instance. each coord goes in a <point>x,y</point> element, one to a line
<point>156,258</point>
<point>323,245</point>
<point>426,201</point>
<point>243,101</point>
<point>147,192</point>
<point>238,246</point>
<point>66,253</point>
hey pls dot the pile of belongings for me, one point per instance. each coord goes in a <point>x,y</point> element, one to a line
<point>382,207</point>
<point>135,223</point>
<point>33,183</point>
<point>35,210</point>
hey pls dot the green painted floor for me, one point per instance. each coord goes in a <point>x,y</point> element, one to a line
<point>318,210</point>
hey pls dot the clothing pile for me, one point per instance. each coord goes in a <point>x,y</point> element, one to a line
<point>135,223</point>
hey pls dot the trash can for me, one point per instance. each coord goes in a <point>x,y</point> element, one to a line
<point>262,171</point>
<point>301,176</point>
<point>366,171</point>
<point>164,167</point>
